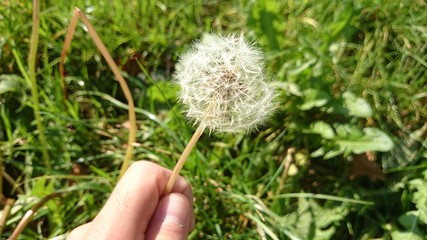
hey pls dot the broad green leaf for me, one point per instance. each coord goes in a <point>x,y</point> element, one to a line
<point>409,220</point>
<point>356,141</point>
<point>405,235</point>
<point>315,98</point>
<point>357,106</point>
<point>323,129</point>
<point>317,153</point>
<point>347,139</point>
<point>312,221</point>
<point>289,87</point>
<point>348,131</point>
<point>10,83</point>
<point>419,186</point>
<point>162,91</point>
<point>335,152</point>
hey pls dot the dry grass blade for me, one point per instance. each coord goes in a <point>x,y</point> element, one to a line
<point>114,68</point>
<point>6,210</point>
<point>30,213</point>
<point>67,44</point>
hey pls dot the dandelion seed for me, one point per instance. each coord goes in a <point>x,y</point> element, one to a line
<point>223,84</point>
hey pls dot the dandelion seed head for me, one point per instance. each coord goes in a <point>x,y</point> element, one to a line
<point>223,84</point>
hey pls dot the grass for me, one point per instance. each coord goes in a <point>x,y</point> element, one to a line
<point>312,173</point>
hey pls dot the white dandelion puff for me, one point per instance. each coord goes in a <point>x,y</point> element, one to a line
<point>223,84</point>
<point>223,89</point>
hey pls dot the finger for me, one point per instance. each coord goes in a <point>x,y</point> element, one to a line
<point>172,219</point>
<point>79,232</point>
<point>183,187</point>
<point>133,201</point>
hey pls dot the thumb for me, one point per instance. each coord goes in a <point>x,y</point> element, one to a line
<point>171,219</point>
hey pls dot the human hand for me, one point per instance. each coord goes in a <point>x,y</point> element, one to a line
<point>137,208</point>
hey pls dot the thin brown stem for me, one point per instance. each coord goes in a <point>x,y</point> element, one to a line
<point>287,163</point>
<point>5,213</point>
<point>12,182</point>
<point>1,170</point>
<point>183,158</point>
<point>30,213</point>
<point>67,44</point>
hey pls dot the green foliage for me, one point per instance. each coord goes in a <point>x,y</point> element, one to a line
<point>265,18</point>
<point>312,221</point>
<point>413,223</point>
<point>11,83</point>
<point>352,84</point>
<point>162,92</point>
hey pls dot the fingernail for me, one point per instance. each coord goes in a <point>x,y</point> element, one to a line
<point>175,210</point>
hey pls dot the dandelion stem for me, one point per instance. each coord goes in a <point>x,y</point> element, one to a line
<point>183,158</point>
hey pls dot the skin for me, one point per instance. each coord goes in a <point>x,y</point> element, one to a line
<point>138,209</point>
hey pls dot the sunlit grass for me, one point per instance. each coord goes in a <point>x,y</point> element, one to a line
<point>374,49</point>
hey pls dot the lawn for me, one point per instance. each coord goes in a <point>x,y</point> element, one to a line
<point>343,157</point>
